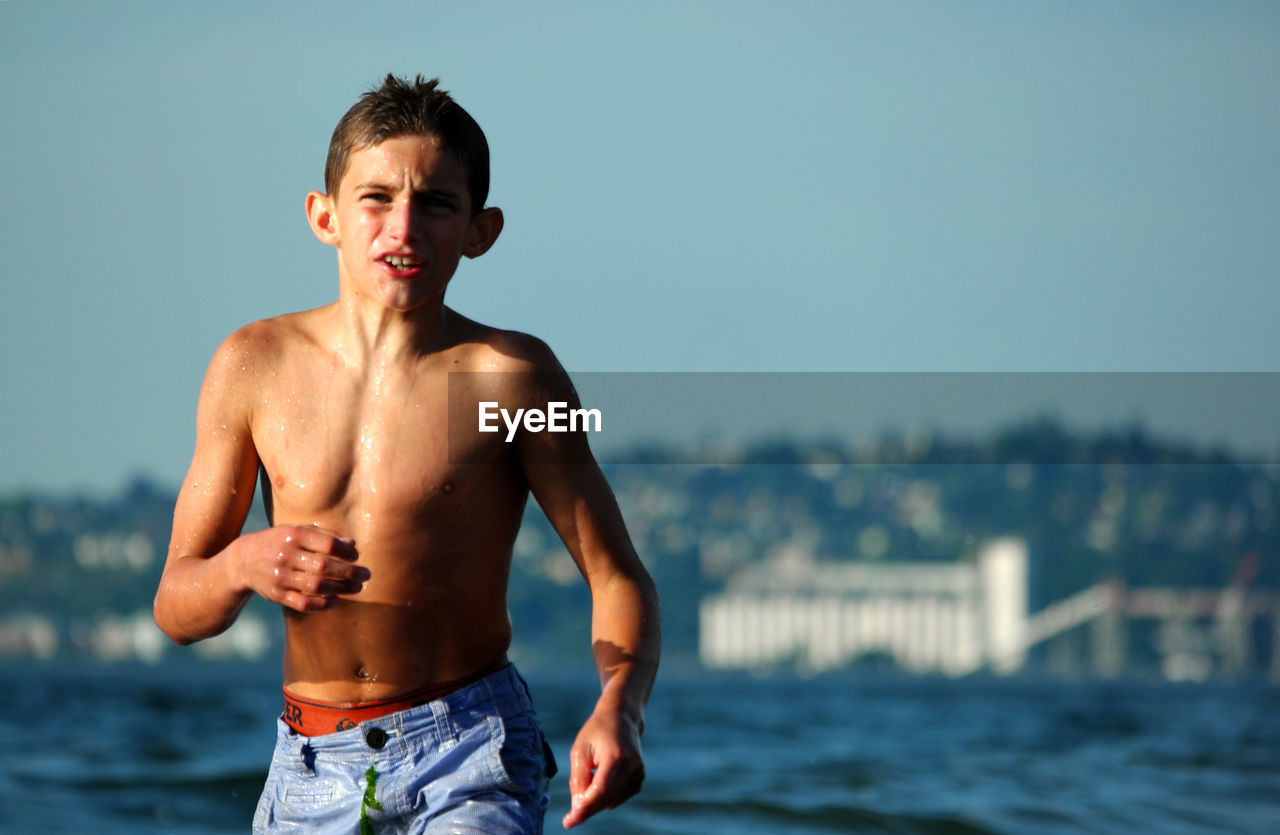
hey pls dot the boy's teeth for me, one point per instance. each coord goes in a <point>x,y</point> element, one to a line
<point>398,262</point>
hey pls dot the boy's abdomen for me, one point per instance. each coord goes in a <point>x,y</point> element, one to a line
<point>434,608</point>
<point>370,650</point>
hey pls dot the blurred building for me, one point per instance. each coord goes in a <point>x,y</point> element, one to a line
<point>949,618</point>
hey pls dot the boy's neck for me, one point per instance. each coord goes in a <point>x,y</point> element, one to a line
<point>373,332</point>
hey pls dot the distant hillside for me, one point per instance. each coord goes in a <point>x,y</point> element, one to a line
<point>1111,504</point>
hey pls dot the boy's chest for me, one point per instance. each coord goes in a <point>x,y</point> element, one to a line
<point>384,447</point>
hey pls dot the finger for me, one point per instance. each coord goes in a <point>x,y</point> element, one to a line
<point>331,569</point>
<point>580,766</point>
<point>596,797</point>
<point>341,546</point>
<point>320,541</point>
<point>329,586</point>
<point>583,806</point>
<point>317,576</point>
<point>300,602</point>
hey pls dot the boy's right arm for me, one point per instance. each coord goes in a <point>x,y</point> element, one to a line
<point>211,571</point>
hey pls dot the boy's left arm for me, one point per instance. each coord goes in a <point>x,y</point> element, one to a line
<point>606,766</point>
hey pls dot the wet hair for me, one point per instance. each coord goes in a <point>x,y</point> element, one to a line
<point>418,108</point>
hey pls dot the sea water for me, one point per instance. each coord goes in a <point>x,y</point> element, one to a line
<point>184,748</point>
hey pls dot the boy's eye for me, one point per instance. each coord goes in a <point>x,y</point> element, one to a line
<point>435,202</point>
<point>376,196</point>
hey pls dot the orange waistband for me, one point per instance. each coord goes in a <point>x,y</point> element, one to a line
<point>310,717</point>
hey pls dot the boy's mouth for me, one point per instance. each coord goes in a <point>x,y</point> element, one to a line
<point>402,262</point>
<point>402,266</point>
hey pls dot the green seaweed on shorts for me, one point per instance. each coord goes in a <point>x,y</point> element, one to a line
<point>369,801</point>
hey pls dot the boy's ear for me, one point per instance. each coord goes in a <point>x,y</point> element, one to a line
<point>485,229</point>
<point>322,217</point>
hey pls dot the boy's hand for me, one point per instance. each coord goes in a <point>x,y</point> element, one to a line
<point>605,766</point>
<point>302,567</point>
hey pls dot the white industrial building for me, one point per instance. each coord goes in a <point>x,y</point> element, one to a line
<point>949,618</point>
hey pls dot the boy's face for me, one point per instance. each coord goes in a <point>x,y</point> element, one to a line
<point>402,219</point>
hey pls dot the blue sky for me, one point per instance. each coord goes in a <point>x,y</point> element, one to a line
<point>705,186</point>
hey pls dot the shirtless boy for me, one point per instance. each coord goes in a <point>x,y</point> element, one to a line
<point>391,538</point>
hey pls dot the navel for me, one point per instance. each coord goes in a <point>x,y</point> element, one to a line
<point>361,672</point>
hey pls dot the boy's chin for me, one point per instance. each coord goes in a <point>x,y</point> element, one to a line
<point>406,307</point>
<point>405,299</point>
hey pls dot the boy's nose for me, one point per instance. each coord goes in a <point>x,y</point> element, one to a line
<point>401,224</point>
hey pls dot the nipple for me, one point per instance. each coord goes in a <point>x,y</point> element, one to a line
<point>447,487</point>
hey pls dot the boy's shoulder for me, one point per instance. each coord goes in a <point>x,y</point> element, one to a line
<point>487,348</point>
<point>257,345</point>
<point>527,371</point>
<point>276,330</point>
<point>280,332</point>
